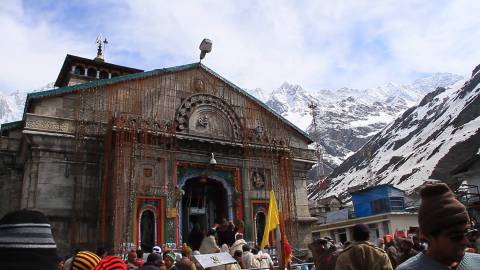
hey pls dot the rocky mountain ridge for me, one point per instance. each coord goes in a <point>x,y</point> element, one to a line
<point>426,142</point>
<point>347,118</point>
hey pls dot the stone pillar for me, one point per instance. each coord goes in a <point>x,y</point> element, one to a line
<point>73,69</point>
<point>86,71</point>
<point>98,74</point>
<point>109,75</point>
<point>304,220</point>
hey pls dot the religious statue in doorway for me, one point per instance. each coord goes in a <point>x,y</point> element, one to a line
<point>258,180</point>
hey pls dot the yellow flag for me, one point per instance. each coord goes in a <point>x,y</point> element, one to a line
<point>272,219</point>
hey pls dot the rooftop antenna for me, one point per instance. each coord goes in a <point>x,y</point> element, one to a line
<point>205,47</point>
<point>318,148</point>
<point>101,42</point>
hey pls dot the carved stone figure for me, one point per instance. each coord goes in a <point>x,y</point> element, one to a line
<point>202,121</point>
<point>198,85</point>
<point>258,180</point>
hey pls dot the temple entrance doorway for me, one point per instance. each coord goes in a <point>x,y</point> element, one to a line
<point>259,226</point>
<point>147,230</point>
<point>204,204</point>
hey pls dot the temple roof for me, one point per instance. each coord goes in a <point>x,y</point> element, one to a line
<point>142,75</point>
<point>63,76</point>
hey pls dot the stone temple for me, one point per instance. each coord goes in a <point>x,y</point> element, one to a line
<point>121,158</point>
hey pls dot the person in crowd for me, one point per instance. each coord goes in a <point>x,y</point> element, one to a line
<point>26,241</point>
<point>239,226</point>
<point>381,243</point>
<point>238,257</point>
<point>209,244</point>
<point>476,242</point>
<point>140,261</point>
<point>248,259</point>
<point>60,263</point>
<point>226,233</point>
<point>405,246</point>
<point>169,260</point>
<point>131,260</point>
<point>239,242</point>
<point>444,223</point>
<point>85,260</point>
<point>178,257</point>
<point>157,250</point>
<point>221,232</point>
<point>417,244</point>
<point>111,263</point>
<point>265,259</point>
<point>197,264</point>
<point>391,250</point>
<point>362,254</point>
<point>154,262</point>
<point>195,237</point>
<point>230,235</point>
<point>472,238</point>
<point>324,254</point>
<point>186,262</point>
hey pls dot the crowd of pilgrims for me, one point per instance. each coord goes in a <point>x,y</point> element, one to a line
<point>450,241</point>
<point>222,238</point>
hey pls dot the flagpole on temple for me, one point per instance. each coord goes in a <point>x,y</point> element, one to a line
<point>275,223</point>
<point>282,263</point>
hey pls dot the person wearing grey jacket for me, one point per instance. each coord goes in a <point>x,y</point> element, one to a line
<point>444,222</point>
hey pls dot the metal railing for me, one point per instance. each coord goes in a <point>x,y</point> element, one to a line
<point>292,266</point>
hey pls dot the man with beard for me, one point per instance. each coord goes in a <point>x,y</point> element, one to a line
<point>444,223</point>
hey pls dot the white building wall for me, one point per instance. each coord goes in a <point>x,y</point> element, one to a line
<point>402,222</point>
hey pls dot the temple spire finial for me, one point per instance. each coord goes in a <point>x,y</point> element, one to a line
<point>101,42</point>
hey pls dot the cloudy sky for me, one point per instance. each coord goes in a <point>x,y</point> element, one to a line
<point>317,44</point>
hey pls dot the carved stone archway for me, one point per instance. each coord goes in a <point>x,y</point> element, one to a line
<point>205,114</point>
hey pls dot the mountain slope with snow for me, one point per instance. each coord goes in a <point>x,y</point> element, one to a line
<point>12,103</point>
<point>347,118</point>
<point>426,142</point>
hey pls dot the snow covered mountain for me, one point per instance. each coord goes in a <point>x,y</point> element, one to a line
<point>11,106</point>
<point>426,142</point>
<point>347,118</point>
<point>12,103</point>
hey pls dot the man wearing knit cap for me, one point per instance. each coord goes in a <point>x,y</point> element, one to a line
<point>26,242</point>
<point>186,262</point>
<point>111,263</point>
<point>169,260</point>
<point>443,222</point>
<point>85,260</point>
<point>362,254</point>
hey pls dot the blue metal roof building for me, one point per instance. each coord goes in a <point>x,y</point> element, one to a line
<point>378,199</point>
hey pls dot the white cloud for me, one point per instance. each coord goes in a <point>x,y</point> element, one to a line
<point>32,50</point>
<point>317,44</point>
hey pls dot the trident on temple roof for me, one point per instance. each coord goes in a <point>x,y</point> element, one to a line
<point>101,43</point>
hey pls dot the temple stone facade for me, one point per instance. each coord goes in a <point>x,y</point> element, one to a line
<point>142,158</point>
